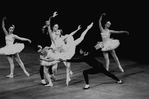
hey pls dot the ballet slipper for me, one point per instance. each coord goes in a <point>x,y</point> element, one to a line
<point>67,81</point>
<point>119,82</point>
<point>10,76</point>
<point>107,69</point>
<point>27,74</point>
<point>49,85</point>
<point>43,82</point>
<point>122,70</point>
<point>86,87</point>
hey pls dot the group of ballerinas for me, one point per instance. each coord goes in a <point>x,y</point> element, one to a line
<point>62,49</point>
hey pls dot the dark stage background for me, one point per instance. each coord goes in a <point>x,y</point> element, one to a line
<point>29,17</point>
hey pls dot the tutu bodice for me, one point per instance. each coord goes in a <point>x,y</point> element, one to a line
<point>105,35</point>
<point>60,42</point>
<point>9,39</point>
<point>108,43</point>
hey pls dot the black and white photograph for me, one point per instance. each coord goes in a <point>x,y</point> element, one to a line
<point>74,49</point>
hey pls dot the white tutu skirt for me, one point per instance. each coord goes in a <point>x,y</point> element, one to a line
<point>69,49</point>
<point>111,44</point>
<point>12,49</point>
<point>45,63</point>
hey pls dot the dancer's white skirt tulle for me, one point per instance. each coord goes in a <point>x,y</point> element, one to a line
<point>12,49</point>
<point>68,50</point>
<point>111,44</point>
<point>45,63</point>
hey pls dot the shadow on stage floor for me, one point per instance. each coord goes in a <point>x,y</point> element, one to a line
<point>135,77</point>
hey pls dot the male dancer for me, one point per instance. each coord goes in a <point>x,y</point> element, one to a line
<point>97,66</point>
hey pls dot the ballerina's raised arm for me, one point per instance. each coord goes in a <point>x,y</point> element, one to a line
<point>72,33</point>
<point>3,26</point>
<point>100,25</point>
<point>49,26</point>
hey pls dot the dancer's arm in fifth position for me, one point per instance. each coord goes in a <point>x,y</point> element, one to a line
<point>49,27</point>
<point>3,26</point>
<point>100,25</point>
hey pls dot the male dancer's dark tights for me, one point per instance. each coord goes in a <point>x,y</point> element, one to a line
<point>42,71</point>
<point>95,70</point>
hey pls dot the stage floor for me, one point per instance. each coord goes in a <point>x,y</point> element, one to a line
<point>135,78</point>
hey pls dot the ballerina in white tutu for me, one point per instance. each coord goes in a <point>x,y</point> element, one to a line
<point>11,49</point>
<point>108,44</point>
<point>48,60</point>
<point>52,43</point>
<point>65,46</point>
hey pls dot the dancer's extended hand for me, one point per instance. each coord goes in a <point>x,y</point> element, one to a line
<point>86,53</point>
<point>89,26</point>
<point>79,27</point>
<point>127,32</point>
<point>99,45</point>
<point>4,18</point>
<point>39,46</point>
<point>29,40</point>
<point>55,14</point>
<point>104,14</point>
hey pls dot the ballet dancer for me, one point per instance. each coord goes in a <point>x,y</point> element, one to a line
<point>65,45</point>
<point>49,30</point>
<point>48,60</point>
<point>12,50</point>
<point>43,54</point>
<point>97,67</point>
<point>69,50</point>
<point>108,44</point>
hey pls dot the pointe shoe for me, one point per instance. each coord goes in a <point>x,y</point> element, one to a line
<point>43,82</point>
<point>119,82</point>
<point>71,73</point>
<point>86,87</point>
<point>49,85</point>
<point>67,81</point>
<point>27,74</point>
<point>122,70</point>
<point>10,76</point>
<point>107,69</point>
